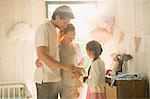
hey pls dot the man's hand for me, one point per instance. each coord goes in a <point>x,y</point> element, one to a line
<point>69,68</point>
<point>38,63</point>
<point>78,69</point>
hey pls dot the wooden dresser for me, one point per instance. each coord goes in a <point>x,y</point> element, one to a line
<point>128,89</point>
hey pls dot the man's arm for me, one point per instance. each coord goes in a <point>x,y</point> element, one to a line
<point>42,55</point>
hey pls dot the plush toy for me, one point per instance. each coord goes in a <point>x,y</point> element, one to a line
<point>125,58</point>
<point>119,64</point>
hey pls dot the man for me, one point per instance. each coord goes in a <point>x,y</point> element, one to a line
<point>48,76</point>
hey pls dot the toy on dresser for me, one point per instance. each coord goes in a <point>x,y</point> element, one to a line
<point>119,64</point>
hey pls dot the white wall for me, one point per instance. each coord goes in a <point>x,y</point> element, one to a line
<point>133,17</point>
<point>15,55</point>
<point>17,58</point>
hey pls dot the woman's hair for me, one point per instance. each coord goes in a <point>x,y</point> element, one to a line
<point>95,47</point>
<point>69,27</point>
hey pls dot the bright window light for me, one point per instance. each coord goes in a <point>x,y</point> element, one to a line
<point>82,12</point>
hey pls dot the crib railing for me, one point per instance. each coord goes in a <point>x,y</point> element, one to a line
<point>12,90</point>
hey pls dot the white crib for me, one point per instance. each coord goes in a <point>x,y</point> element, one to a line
<point>12,90</point>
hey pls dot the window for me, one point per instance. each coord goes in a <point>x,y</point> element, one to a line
<point>83,11</point>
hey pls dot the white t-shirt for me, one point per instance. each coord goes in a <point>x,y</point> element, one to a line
<point>46,36</point>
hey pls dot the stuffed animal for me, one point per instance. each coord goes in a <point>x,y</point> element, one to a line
<point>119,64</point>
<point>125,58</point>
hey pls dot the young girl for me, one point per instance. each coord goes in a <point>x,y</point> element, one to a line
<point>96,72</point>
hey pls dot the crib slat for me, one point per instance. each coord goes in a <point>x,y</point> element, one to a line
<point>8,93</point>
<point>14,93</point>
<point>19,92</point>
<point>2,93</point>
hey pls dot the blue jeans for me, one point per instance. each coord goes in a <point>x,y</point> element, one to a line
<point>48,90</point>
